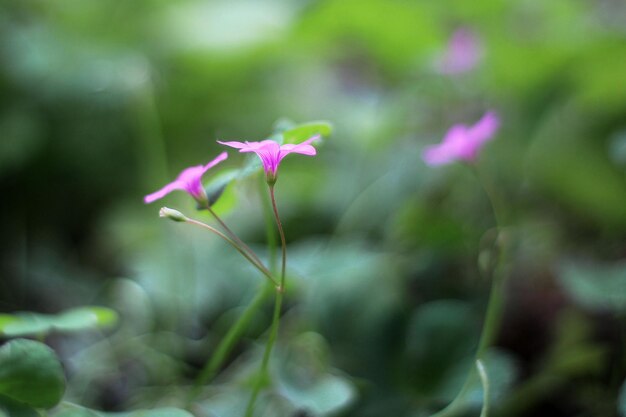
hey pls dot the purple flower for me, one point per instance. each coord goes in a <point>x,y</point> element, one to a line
<point>188,180</point>
<point>271,153</point>
<point>462,54</point>
<point>463,143</point>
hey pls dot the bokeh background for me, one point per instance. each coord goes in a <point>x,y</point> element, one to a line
<point>102,102</point>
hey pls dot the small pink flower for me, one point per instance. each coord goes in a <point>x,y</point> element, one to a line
<point>188,180</point>
<point>463,53</point>
<point>463,143</point>
<point>271,153</point>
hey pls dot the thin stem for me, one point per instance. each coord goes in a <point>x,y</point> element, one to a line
<point>270,231</point>
<point>492,316</point>
<point>234,244</point>
<point>262,377</point>
<point>226,344</point>
<point>232,234</point>
<point>484,379</point>
<point>283,242</point>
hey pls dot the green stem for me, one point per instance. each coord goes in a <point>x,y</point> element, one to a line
<point>233,235</point>
<point>283,242</point>
<point>270,231</point>
<point>263,375</point>
<point>492,316</point>
<point>235,245</point>
<point>226,344</point>
<point>484,379</point>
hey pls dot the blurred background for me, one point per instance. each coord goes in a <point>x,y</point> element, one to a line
<point>103,102</point>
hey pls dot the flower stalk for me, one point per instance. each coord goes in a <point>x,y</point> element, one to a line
<point>262,377</point>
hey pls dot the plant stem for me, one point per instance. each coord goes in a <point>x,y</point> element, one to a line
<point>484,379</point>
<point>262,377</point>
<point>235,245</point>
<point>233,235</point>
<point>493,315</point>
<point>227,343</point>
<point>270,231</point>
<point>283,242</point>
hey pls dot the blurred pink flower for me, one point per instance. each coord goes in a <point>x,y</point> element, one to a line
<point>188,180</point>
<point>462,54</point>
<point>461,142</point>
<point>271,153</point>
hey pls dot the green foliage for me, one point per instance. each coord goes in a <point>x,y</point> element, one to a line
<point>74,320</point>
<point>103,102</point>
<point>304,131</point>
<point>73,410</point>
<point>31,373</point>
<point>594,285</point>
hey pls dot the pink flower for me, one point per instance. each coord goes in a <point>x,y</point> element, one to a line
<point>462,54</point>
<point>463,143</point>
<point>271,153</point>
<point>188,180</point>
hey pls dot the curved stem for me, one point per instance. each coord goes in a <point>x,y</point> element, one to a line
<point>232,235</point>
<point>262,377</point>
<point>226,344</point>
<point>235,245</point>
<point>484,379</point>
<point>493,315</point>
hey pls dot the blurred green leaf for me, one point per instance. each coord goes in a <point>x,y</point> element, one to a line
<point>305,378</point>
<point>305,131</point>
<point>440,335</point>
<point>564,161</point>
<point>12,408</point>
<point>73,410</point>
<point>594,285</point>
<point>82,318</point>
<point>30,372</point>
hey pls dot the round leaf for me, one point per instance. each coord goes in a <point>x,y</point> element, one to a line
<point>30,372</point>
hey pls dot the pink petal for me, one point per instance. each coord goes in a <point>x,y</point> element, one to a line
<point>463,52</point>
<point>303,148</point>
<point>217,160</point>
<point>233,144</point>
<point>176,185</point>
<point>486,127</point>
<point>437,155</point>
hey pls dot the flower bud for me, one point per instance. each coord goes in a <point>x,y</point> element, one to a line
<point>172,214</point>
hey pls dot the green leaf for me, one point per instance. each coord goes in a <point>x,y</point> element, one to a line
<point>12,408</point>
<point>30,372</point>
<point>304,377</point>
<point>440,340</point>
<point>305,131</point>
<point>82,318</point>
<point>73,410</point>
<point>594,285</point>
<point>218,184</point>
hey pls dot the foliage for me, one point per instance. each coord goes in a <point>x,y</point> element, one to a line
<point>389,260</point>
